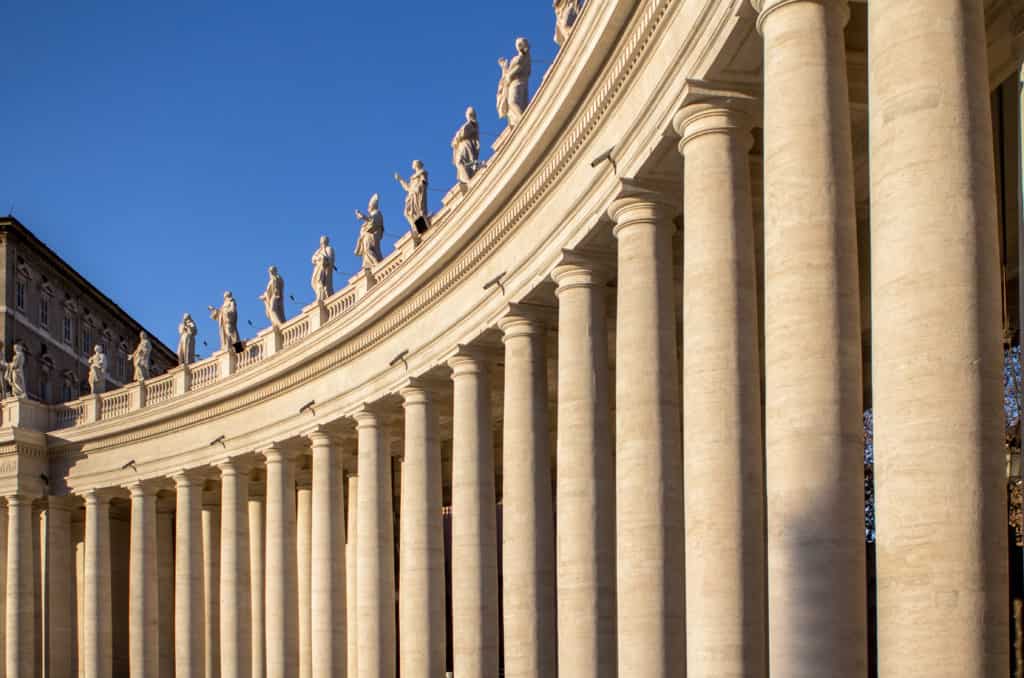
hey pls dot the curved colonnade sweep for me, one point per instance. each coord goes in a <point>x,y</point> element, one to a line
<point>531,441</point>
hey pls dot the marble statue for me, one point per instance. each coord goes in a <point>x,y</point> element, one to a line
<point>15,373</point>
<point>227,321</point>
<point>416,199</point>
<point>273,298</point>
<point>187,331</point>
<point>323,270</point>
<point>97,370</point>
<point>370,233</point>
<point>141,357</point>
<point>466,147</point>
<point>566,12</point>
<point>514,86</point>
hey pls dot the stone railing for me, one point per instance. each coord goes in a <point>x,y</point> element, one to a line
<point>115,404</point>
<point>294,331</point>
<point>67,415</point>
<point>253,353</point>
<point>204,373</point>
<point>159,389</point>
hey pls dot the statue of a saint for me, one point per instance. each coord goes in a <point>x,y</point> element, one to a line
<point>370,233</point>
<point>566,12</point>
<point>16,372</point>
<point>323,270</point>
<point>97,370</point>
<point>227,321</point>
<point>416,199</point>
<point>273,298</point>
<point>514,86</point>
<point>187,331</point>
<point>140,357</point>
<point>466,147</point>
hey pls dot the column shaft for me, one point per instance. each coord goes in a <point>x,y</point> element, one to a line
<point>375,548</point>
<point>282,612</point>
<point>257,551</point>
<point>421,552</point>
<point>528,549</point>
<point>189,612</point>
<point>940,482</point>
<point>97,621</point>
<point>351,570</point>
<point>58,600</point>
<point>165,575</point>
<point>585,477</point>
<point>143,648</point>
<point>328,560</point>
<point>303,535</point>
<point>813,411</point>
<point>649,523</point>
<point>235,596</point>
<point>474,530</point>
<point>211,585</point>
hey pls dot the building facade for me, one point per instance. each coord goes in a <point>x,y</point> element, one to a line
<point>642,339</point>
<point>59,317</point>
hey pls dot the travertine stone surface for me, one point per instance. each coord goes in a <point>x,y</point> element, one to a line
<point>165,585</point>
<point>235,597</point>
<point>722,471</point>
<point>474,531</point>
<point>58,602</point>
<point>282,612</point>
<point>585,476</point>
<point>421,553</point>
<point>648,464</point>
<point>189,609</point>
<point>351,572</point>
<point>303,534</point>
<point>375,595</point>
<point>142,584</point>
<point>328,564</point>
<point>97,641</point>
<point>257,584</point>
<point>940,477</point>
<point>528,549</point>
<point>211,585</point>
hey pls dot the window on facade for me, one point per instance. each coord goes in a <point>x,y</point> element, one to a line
<point>86,341</point>
<point>67,330</point>
<point>66,392</point>
<point>44,312</point>
<point>19,294</point>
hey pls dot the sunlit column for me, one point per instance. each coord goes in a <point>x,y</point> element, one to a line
<point>144,648</point>
<point>282,612</point>
<point>303,550</point>
<point>327,559</point>
<point>257,584</point>
<point>351,571</point>
<point>211,582</point>
<point>189,612</point>
<point>58,602</point>
<point>235,596</point>
<point>97,616</point>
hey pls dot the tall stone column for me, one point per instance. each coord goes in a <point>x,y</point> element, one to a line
<point>143,642</point>
<point>303,535</point>
<point>375,549</point>
<point>3,590</point>
<point>722,469</point>
<point>165,586</point>
<point>235,596</point>
<point>97,618</point>
<point>257,584</point>
<point>649,476</point>
<point>474,522</point>
<point>421,574</point>
<point>351,588</point>
<point>189,609</point>
<point>211,582</point>
<point>328,559</point>
<point>585,476</point>
<point>282,612</point>
<point>937,361</point>
<point>528,550</point>
<point>58,600</point>
<point>813,411</point>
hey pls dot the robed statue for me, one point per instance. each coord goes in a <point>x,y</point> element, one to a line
<point>566,12</point>
<point>416,199</point>
<point>187,331</point>
<point>466,147</point>
<point>141,357</point>
<point>227,322</point>
<point>273,298</point>
<point>15,372</point>
<point>97,370</point>
<point>370,233</point>
<point>514,86</point>
<point>323,269</point>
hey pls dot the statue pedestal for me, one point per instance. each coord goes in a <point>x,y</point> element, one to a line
<point>455,195</point>
<point>138,397</point>
<point>363,281</point>
<point>25,413</point>
<point>182,378</point>
<point>317,314</point>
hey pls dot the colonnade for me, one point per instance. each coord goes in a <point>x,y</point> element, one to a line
<point>710,511</point>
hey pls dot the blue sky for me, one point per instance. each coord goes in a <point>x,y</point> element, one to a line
<point>170,151</point>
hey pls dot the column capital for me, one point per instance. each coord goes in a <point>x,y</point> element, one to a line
<point>420,390</point>
<point>234,466</point>
<point>764,8</point>
<point>470,359</point>
<point>275,453</point>
<point>581,268</point>
<point>93,496</point>
<point>304,479</point>
<point>524,320</point>
<point>716,108</point>
<point>642,203</point>
<point>368,417</point>
<point>189,477</point>
<point>143,487</point>
<point>320,437</point>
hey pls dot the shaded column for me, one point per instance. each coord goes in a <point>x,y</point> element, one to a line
<point>211,582</point>
<point>474,531</point>
<point>940,478</point>
<point>585,477</point>
<point>375,552</point>
<point>282,613</point>
<point>303,534</point>
<point>813,410</point>
<point>528,549</point>
<point>723,464</point>
<point>58,599</point>
<point>97,622</point>
<point>143,642</point>
<point>351,589</point>
<point>649,526</point>
<point>189,610</point>
<point>235,596</point>
<point>165,585</point>
<point>421,574</point>
<point>257,584</point>
<point>328,559</point>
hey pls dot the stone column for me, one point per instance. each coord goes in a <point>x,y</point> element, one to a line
<point>328,559</point>
<point>211,582</point>
<point>97,620</point>
<point>937,360</point>
<point>189,610</point>
<point>649,476</point>
<point>421,574</point>
<point>282,617</point>
<point>528,551</point>
<point>351,589</point>
<point>585,476</point>
<point>474,530</point>
<point>376,554</point>
<point>257,585</point>
<point>723,465</point>
<point>3,590</point>
<point>303,534</point>
<point>165,586</point>
<point>813,411</point>
<point>235,597</point>
<point>58,601</point>
<point>143,642</point>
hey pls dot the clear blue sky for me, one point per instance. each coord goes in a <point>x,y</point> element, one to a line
<point>170,151</point>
